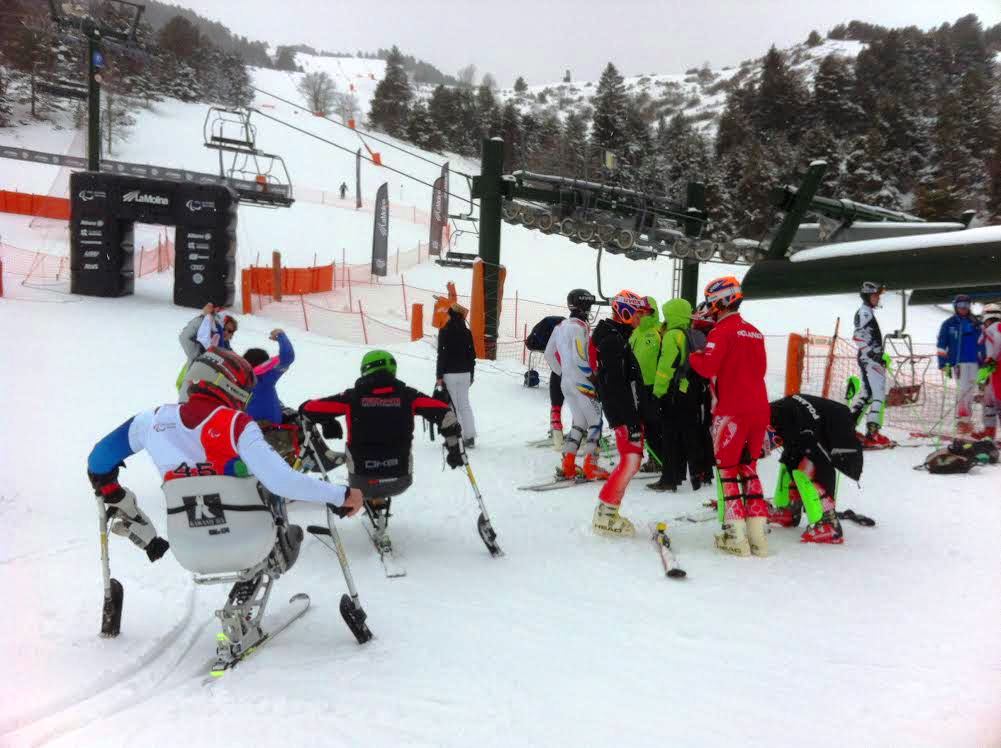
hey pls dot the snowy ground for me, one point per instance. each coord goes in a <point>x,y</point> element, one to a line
<point>570,639</point>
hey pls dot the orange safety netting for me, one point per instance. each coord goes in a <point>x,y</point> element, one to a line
<point>41,206</point>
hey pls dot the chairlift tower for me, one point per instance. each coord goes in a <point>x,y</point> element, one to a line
<point>82,22</point>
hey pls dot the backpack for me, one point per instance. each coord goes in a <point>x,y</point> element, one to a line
<point>947,462</point>
<point>695,340</point>
<point>531,378</point>
<point>982,451</point>
<point>538,339</point>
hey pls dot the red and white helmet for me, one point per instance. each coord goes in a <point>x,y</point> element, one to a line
<point>627,304</point>
<point>992,313</point>
<point>723,294</point>
<point>224,376</point>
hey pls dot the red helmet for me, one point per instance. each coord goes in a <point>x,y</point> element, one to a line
<point>627,304</point>
<point>223,376</point>
<point>722,294</point>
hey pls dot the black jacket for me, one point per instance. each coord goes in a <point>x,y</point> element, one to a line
<point>380,412</point>
<point>456,354</point>
<point>620,381</point>
<point>822,430</point>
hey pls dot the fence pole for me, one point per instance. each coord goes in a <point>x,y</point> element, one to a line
<point>406,312</point>
<point>828,370</point>
<point>364,332</point>
<point>516,314</point>
<point>347,279</point>
<point>305,319</point>
<point>344,263</point>
<point>524,346</point>
<point>397,260</point>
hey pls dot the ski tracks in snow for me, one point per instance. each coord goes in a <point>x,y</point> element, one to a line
<point>156,670</point>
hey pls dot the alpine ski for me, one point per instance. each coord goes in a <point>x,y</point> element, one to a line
<point>300,604</point>
<point>659,536</point>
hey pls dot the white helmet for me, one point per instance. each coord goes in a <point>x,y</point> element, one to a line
<point>992,313</point>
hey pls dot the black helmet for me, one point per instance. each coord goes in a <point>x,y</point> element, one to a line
<point>869,288</point>
<point>580,300</point>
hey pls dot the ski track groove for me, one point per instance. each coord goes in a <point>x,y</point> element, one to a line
<point>59,711</point>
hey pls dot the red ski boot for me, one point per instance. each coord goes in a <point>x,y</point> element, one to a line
<point>875,440</point>
<point>827,530</point>
<point>592,471</point>
<point>988,432</point>
<point>787,516</point>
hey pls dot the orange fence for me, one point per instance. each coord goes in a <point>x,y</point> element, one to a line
<point>294,281</point>
<point>159,259</point>
<point>41,206</point>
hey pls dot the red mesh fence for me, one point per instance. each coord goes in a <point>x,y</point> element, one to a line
<point>919,399</point>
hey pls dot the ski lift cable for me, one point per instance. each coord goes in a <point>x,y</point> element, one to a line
<point>359,132</point>
<point>353,153</point>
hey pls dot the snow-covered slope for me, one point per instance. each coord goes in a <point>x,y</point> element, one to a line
<point>700,94</point>
<point>570,639</point>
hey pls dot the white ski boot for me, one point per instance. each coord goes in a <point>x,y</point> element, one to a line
<point>733,539</point>
<point>608,522</point>
<point>757,535</point>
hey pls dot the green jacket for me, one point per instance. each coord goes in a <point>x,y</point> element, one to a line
<point>645,342</point>
<point>674,346</point>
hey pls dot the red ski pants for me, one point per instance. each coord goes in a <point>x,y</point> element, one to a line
<point>630,457</point>
<point>737,444</point>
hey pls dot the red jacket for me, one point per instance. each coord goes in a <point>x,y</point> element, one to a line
<point>735,356</point>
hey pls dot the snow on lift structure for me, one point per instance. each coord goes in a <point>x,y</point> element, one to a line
<point>259,178</point>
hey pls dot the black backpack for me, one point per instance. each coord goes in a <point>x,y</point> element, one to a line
<point>538,339</point>
<point>695,340</point>
<point>947,462</point>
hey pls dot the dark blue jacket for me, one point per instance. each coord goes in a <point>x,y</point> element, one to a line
<point>959,341</point>
<point>264,404</point>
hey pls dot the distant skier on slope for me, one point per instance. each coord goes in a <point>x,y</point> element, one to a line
<point>210,435</point>
<point>959,352</point>
<point>379,411</point>
<point>989,376</point>
<point>620,389</point>
<point>567,355</point>
<point>872,369</point>
<point>735,356</point>
<point>817,437</point>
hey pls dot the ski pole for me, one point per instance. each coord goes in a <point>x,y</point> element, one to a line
<point>483,525</point>
<point>114,593</point>
<point>351,610</point>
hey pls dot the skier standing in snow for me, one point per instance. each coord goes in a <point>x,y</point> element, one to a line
<point>959,353</point>
<point>379,411</point>
<point>620,389</point>
<point>679,397</point>
<point>567,356</point>
<point>700,448</point>
<point>735,357</point>
<point>538,341</point>
<point>990,343</point>
<point>209,329</point>
<point>456,367</point>
<point>817,437</point>
<point>869,341</point>
<point>645,342</point>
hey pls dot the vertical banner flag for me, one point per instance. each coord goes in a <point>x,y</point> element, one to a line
<point>380,232</point>
<point>358,179</point>
<point>444,194</point>
<point>437,218</point>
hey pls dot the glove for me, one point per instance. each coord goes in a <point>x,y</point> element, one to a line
<point>106,485</point>
<point>947,371</point>
<point>129,521</point>
<point>876,357</point>
<point>332,429</point>
<point>989,367</point>
<point>156,548</point>
<point>635,432</point>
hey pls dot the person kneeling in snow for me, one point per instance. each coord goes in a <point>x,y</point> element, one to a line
<point>817,437</point>
<point>380,411</point>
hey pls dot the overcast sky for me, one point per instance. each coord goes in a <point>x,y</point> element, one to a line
<point>539,39</point>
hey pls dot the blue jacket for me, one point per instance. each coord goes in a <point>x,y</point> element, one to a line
<point>959,341</point>
<point>264,404</point>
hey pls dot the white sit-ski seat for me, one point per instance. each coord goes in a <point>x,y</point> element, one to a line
<point>218,524</point>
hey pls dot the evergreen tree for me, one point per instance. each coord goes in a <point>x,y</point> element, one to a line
<point>422,130</point>
<point>780,97</point>
<point>510,131</point>
<point>520,86</point>
<point>575,144</point>
<point>611,111</point>
<point>834,96</point>
<point>390,105</point>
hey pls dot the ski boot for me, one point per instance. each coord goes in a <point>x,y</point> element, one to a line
<point>701,479</point>
<point>568,469</point>
<point>607,521</point>
<point>593,471</point>
<point>826,530</point>
<point>733,539</point>
<point>873,439</point>
<point>241,621</point>
<point>662,485</point>
<point>787,516</point>
<point>757,535</point>
<point>987,432</point>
